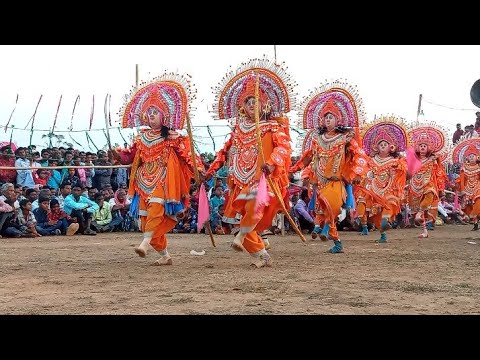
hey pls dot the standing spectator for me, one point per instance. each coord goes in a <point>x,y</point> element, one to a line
<point>7,159</point>
<point>45,155</point>
<point>24,177</point>
<point>477,122</point>
<point>458,133</point>
<point>71,176</point>
<point>102,176</point>
<point>81,172</point>
<point>89,173</point>
<point>40,176</point>
<point>55,178</point>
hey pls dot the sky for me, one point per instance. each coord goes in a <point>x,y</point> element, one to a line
<point>389,79</point>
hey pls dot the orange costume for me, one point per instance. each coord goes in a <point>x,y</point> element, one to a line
<point>335,156</point>
<point>467,153</point>
<point>425,185</point>
<point>162,167</point>
<point>235,101</point>
<point>383,189</point>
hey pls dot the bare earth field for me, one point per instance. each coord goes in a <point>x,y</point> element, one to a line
<point>103,275</point>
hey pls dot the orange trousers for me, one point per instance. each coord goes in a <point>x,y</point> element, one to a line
<point>473,210</point>
<point>252,242</point>
<point>156,223</point>
<point>330,199</point>
<point>429,205</point>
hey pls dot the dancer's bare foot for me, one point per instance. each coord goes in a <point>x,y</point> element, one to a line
<point>141,251</point>
<point>163,260</point>
<point>263,262</point>
<point>237,243</point>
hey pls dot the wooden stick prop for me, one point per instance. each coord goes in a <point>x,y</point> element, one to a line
<point>10,118</point>
<point>33,122</point>
<point>92,112</point>
<point>197,174</point>
<point>106,124</point>
<point>56,114</point>
<point>273,185</point>
<point>73,111</point>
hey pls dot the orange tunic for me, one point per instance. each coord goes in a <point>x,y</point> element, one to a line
<point>336,160</point>
<point>161,174</point>
<point>469,184</point>
<point>244,162</point>
<point>385,186</point>
<point>430,179</point>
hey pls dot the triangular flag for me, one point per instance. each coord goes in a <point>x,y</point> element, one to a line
<point>203,208</point>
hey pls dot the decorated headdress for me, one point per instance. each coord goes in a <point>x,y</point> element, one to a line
<point>170,93</point>
<point>391,129</point>
<point>430,134</point>
<point>308,140</point>
<point>338,98</point>
<point>465,147</point>
<point>275,87</point>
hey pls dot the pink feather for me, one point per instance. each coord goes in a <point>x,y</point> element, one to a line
<point>262,195</point>
<point>203,208</point>
<point>413,163</point>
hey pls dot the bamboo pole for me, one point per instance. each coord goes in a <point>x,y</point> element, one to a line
<point>64,167</point>
<point>273,185</point>
<point>197,174</point>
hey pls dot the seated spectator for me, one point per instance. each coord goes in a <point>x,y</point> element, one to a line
<point>65,190</point>
<point>80,209</point>
<point>44,193</point>
<point>216,200</point>
<point>300,210</point>
<point>7,209</point>
<point>102,220</point>
<point>91,192</point>
<point>44,226</point>
<point>187,223</point>
<point>26,219</point>
<point>108,193</point>
<point>56,214</point>
<point>120,206</point>
<point>218,226</point>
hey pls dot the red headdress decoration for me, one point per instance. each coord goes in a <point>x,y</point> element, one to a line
<point>465,147</point>
<point>275,88</point>
<point>391,129</point>
<point>170,93</point>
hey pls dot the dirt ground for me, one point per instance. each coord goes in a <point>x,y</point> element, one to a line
<point>103,275</point>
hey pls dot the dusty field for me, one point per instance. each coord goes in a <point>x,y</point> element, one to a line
<point>103,275</point>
